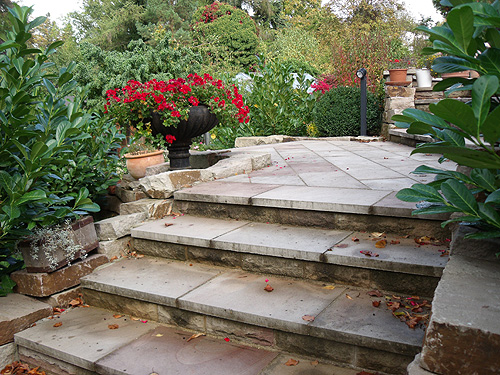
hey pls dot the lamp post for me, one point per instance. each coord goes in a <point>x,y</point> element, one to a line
<point>361,74</point>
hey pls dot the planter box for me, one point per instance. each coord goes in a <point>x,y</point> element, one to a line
<point>83,233</point>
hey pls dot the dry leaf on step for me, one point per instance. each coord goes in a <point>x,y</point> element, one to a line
<point>308,318</point>
<point>291,362</point>
<point>113,326</point>
<point>195,336</point>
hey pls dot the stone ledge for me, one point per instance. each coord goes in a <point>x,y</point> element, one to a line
<point>274,139</point>
<point>8,354</point>
<point>45,284</point>
<point>398,135</point>
<point>118,226</point>
<point>18,312</point>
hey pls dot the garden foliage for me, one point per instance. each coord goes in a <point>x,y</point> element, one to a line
<point>471,40</point>
<point>337,112</point>
<point>45,137</point>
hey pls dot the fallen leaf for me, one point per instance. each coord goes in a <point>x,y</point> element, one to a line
<point>378,234</point>
<point>308,318</point>
<point>330,287</point>
<point>314,363</point>
<point>57,310</point>
<point>168,224</point>
<point>195,336</point>
<point>393,306</point>
<point>144,321</point>
<point>380,244</point>
<point>113,258</point>
<point>113,326</point>
<point>395,242</point>
<point>57,324</point>
<point>376,303</point>
<point>375,293</point>
<point>117,316</point>
<point>227,339</point>
<point>76,302</point>
<point>160,335</point>
<point>341,245</point>
<point>355,239</point>
<point>268,288</point>
<point>396,297</point>
<point>153,373</point>
<point>412,323</point>
<point>348,296</point>
<point>134,318</point>
<point>291,362</point>
<point>369,253</point>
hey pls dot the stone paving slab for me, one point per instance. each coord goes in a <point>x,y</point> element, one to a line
<point>280,240</point>
<point>18,312</point>
<point>356,320</point>
<point>187,230</point>
<point>240,296</point>
<point>167,351</point>
<point>84,336</point>
<point>153,279</point>
<point>356,201</point>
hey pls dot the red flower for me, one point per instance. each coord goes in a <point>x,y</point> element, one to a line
<point>170,138</point>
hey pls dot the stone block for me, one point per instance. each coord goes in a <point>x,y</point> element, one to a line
<point>240,331</point>
<point>463,336</point>
<point>63,298</point>
<point>45,284</point>
<point>114,248</point>
<point>18,312</point>
<point>161,208</point>
<point>118,226</point>
<point>8,354</point>
<point>214,256</point>
<point>238,164</point>
<point>160,249</point>
<point>261,161</point>
<point>126,195</point>
<point>255,141</point>
<point>157,169</point>
<point>380,360</point>
<point>399,103</point>
<point>478,249</point>
<point>181,318</point>
<point>400,91</point>
<point>142,205</point>
<point>163,185</point>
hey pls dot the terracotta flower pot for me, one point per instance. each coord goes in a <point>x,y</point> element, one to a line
<point>397,75</point>
<point>137,164</point>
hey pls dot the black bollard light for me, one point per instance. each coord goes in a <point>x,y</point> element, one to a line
<point>361,73</point>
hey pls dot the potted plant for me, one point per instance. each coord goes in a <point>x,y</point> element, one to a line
<point>398,69</point>
<point>178,109</point>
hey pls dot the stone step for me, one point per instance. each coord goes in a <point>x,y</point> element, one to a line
<point>330,322</point>
<point>310,253</point>
<point>144,348</point>
<point>312,206</point>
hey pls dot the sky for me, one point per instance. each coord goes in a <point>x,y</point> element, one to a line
<point>59,8</point>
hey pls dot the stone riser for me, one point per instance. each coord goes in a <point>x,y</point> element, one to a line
<point>396,282</point>
<point>318,219</point>
<point>324,349</point>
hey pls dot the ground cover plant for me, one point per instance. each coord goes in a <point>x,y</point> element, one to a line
<point>469,40</point>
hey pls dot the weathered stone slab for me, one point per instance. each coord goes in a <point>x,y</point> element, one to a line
<point>63,298</point>
<point>84,336</point>
<point>399,103</point>
<point>234,165</point>
<point>115,248</point>
<point>463,336</point>
<point>156,169</point>
<point>154,280</point>
<point>8,354</point>
<point>118,226</point>
<point>240,296</point>
<point>126,195</point>
<point>167,348</point>
<point>18,312</point>
<point>44,284</point>
<point>255,141</point>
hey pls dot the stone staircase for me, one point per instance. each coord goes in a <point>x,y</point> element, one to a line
<point>205,268</point>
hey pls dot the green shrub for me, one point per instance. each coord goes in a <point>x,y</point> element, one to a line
<point>337,113</point>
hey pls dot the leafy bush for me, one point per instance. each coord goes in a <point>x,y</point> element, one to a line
<point>337,113</point>
<point>44,138</point>
<point>471,40</point>
<point>279,100</point>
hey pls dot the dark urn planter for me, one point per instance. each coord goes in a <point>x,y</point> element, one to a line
<point>200,121</point>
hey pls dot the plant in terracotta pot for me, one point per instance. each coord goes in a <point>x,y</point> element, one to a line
<point>398,69</point>
<point>178,109</point>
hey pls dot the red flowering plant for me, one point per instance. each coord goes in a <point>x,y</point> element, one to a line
<point>133,104</point>
<point>400,63</point>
